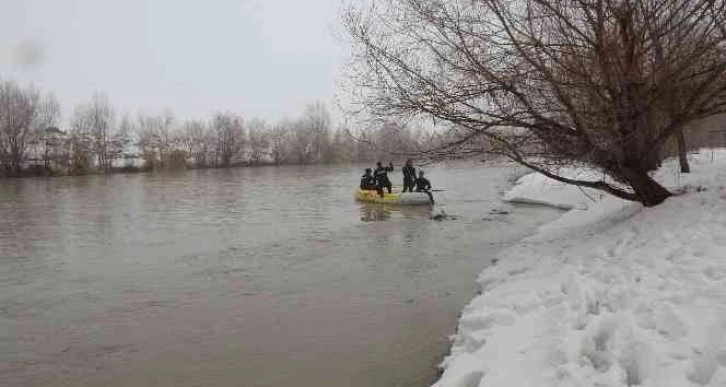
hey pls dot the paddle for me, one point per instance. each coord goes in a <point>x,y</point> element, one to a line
<point>437,190</point>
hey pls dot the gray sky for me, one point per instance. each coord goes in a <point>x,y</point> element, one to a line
<point>261,58</point>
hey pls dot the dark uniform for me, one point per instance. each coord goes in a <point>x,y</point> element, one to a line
<point>367,181</point>
<point>424,185</point>
<point>381,175</point>
<point>409,177</point>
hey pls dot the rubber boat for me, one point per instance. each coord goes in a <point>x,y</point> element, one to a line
<point>405,198</point>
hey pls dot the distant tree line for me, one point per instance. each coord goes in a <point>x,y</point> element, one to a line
<point>97,139</point>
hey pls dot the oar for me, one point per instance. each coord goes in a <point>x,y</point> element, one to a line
<point>437,190</point>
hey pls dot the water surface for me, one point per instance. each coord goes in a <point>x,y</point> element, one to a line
<point>267,276</point>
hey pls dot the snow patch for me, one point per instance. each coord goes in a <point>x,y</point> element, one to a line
<point>536,188</point>
<point>610,294</point>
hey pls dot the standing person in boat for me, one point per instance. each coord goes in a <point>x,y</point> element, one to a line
<point>381,175</point>
<point>424,185</point>
<point>367,181</point>
<point>409,176</point>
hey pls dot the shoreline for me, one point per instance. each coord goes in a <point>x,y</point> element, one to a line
<point>130,170</point>
<point>610,293</point>
<point>38,171</point>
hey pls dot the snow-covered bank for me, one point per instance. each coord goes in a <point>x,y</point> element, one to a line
<point>535,188</point>
<point>613,295</point>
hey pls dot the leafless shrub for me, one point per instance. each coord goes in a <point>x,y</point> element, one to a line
<point>19,110</point>
<point>231,137</point>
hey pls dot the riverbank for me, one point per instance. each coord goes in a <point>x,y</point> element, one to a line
<point>609,294</point>
<point>39,171</point>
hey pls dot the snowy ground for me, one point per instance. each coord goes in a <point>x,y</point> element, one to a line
<point>610,294</point>
<point>535,188</point>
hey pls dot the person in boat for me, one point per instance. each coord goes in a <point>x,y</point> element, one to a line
<point>424,185</point>
<point>409,176</point>
<point>367,181</point>
<point>381,175</point>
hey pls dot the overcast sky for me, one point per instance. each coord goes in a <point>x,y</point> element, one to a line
<point>261,58</point>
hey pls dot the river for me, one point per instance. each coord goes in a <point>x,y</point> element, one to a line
<point>270,276</point>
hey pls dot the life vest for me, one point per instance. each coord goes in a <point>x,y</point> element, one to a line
<point>367,182</point>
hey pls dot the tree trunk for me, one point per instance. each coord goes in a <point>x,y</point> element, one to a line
<point>682,152</point>
<point>648,191</point>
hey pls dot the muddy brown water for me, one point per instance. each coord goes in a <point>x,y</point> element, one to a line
<point>268,276</point>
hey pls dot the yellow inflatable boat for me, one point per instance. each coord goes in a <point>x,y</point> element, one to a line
<point>405,198</point>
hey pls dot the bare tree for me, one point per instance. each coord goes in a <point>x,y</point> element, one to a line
<point>198,140</point>
<point>165,129</point>
<point>122,139</point>
<point>343,146</point>
<point>316,123</point>
<point>393,139</point>
<point>95,120</point>
<point>82,141</point>
<point>48,113</point>
<point>602,83</point>
<point>155,138</point>
<point>259,140</point>
<point>230,132</point>
<point>47,135</point>
<point>150,141</point>
<point>101,116</point>
<point>18,115</point>
<point>312,135</point>
<point>364,146</point>
<point>281,142</point>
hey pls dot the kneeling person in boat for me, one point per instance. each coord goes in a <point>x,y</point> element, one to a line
<point>367,181</point>
<point>424,185</point>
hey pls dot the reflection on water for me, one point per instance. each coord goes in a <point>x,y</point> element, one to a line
<point>240,277</point>
<point>374,212</point>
